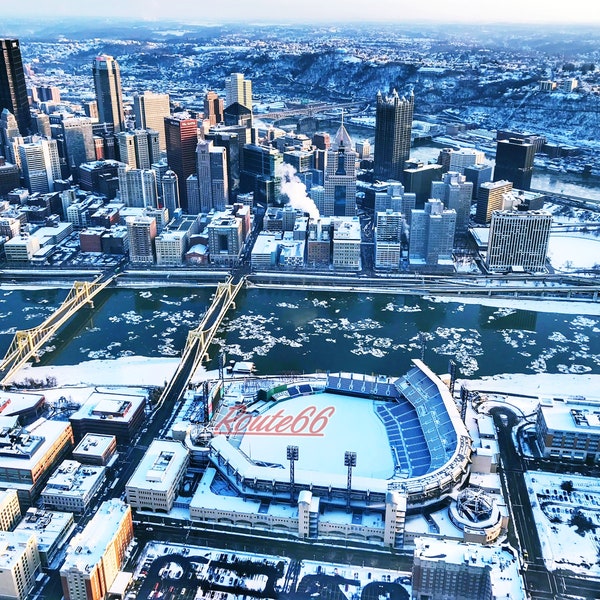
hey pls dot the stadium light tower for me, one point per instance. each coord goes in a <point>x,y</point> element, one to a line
<point>349,461</point>
<point>292,456</point>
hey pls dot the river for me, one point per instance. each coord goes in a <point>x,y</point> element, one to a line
<point>306,331</point>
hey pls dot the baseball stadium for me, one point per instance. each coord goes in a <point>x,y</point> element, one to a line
<point>350,440</point>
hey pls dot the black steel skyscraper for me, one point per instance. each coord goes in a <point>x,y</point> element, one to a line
<point>13,91</point>
<point>393,126</point>
<point>514,162</point>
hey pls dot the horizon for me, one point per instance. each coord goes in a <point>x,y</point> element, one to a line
<point>347,12</point>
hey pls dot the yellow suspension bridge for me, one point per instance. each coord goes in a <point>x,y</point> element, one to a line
<point>199,339</point>
<point>27,343</point>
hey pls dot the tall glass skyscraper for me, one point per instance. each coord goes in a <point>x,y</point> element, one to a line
<point>13,90</point>
<point>107,81</point>
<point>393,126</point>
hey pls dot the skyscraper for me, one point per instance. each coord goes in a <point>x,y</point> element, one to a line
<point>13,90</point>
<point>238,89</point>
<point>514,162</point>
<point>518,239</point>
<point>107,81</point>
<point>490,197</point>
<point>150,111</point>
<point>431,236</point>
<point>138,148</point>
<point>213,182</point>
<point>340,177</point>
<point>213,108</point>
<point>170,192</point>
<point>456,193</point>
<point>182,139</point>
<point>393,126</point>
<point>79,141</point>
<point>40,164</point>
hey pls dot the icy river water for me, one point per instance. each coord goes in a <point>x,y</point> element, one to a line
<point>307,331</point>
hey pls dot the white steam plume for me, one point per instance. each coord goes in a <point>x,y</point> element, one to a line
<point>295,190</point>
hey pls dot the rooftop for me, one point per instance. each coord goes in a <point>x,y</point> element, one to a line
<point>159,466</point>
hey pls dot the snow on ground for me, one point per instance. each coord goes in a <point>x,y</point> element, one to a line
<point>563,307</point>
<point>567,252</point>
<point>567,513</point>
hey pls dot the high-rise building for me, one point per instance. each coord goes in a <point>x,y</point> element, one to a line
<point>79,141</point>
<point>141,232</point>
<point>182,139</point>
<point>10,176</point>
<point>477,174</point>
<point>456,193</point>
<point>431,236</point>
<point>238,89</point>
<point>389,229</point>
<point>138,148</point>
<point>150,111</point>
<point>261,173</point>
<point>518,240</point>
<point>418,178</point>
<point>225,239</point>
<point>490,197</point>
<point>13,89</point>
<point>514,162</point>
<point>340,177</point>
<point>107,82</point>
<point>19,564</point>
<point>40,164</point>
<point>95,555</point>
<point>213,108</point>
<point>213,180</point>
<point>170,191</point>
<point>393,126</point>
<point>137,187</point>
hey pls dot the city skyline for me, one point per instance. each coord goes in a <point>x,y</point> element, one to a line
<point>460,11</point>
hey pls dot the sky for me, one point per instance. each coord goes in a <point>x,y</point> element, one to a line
<point>288,11</point>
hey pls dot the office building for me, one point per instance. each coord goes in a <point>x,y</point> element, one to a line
<point>96,449</point>
<point>137,187</point>
<point>340,177</point>
<point>51,529</point>
<point>225,239</point>
<point>19,564</point>
<point>418,178</point>
<point>455,160</point>
<point>170,248</point>
<point>72,486</point>
<point>518,240</point>
<point>10,176</point>
<point>478,175</point>
<point>141,231</point>
<point>261,173</point>
<point>231,139</point>
<point>514,162</point>
<point>238,89</point>
<point>568,429</point>
<point>29,455</point>
<point>150,111</point>
<point>79,142</point>
<point>139,149</point>
<point>448,569</point>
<point>13,89</point>
<point>490,197</point>
<point>170,191</point>
<point>213,108</point>
<point>346,244</point>
<point>155,483</point>
<point>10,510</point>
<point>96,555</point>
<point>393,127</point>
<point>389,231</point>
<point>107,83</point>
<point>213,179</point>
<point>456,193</point>
<point>431,236</point>
<point>182,139</point>
<point>40,164</point>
